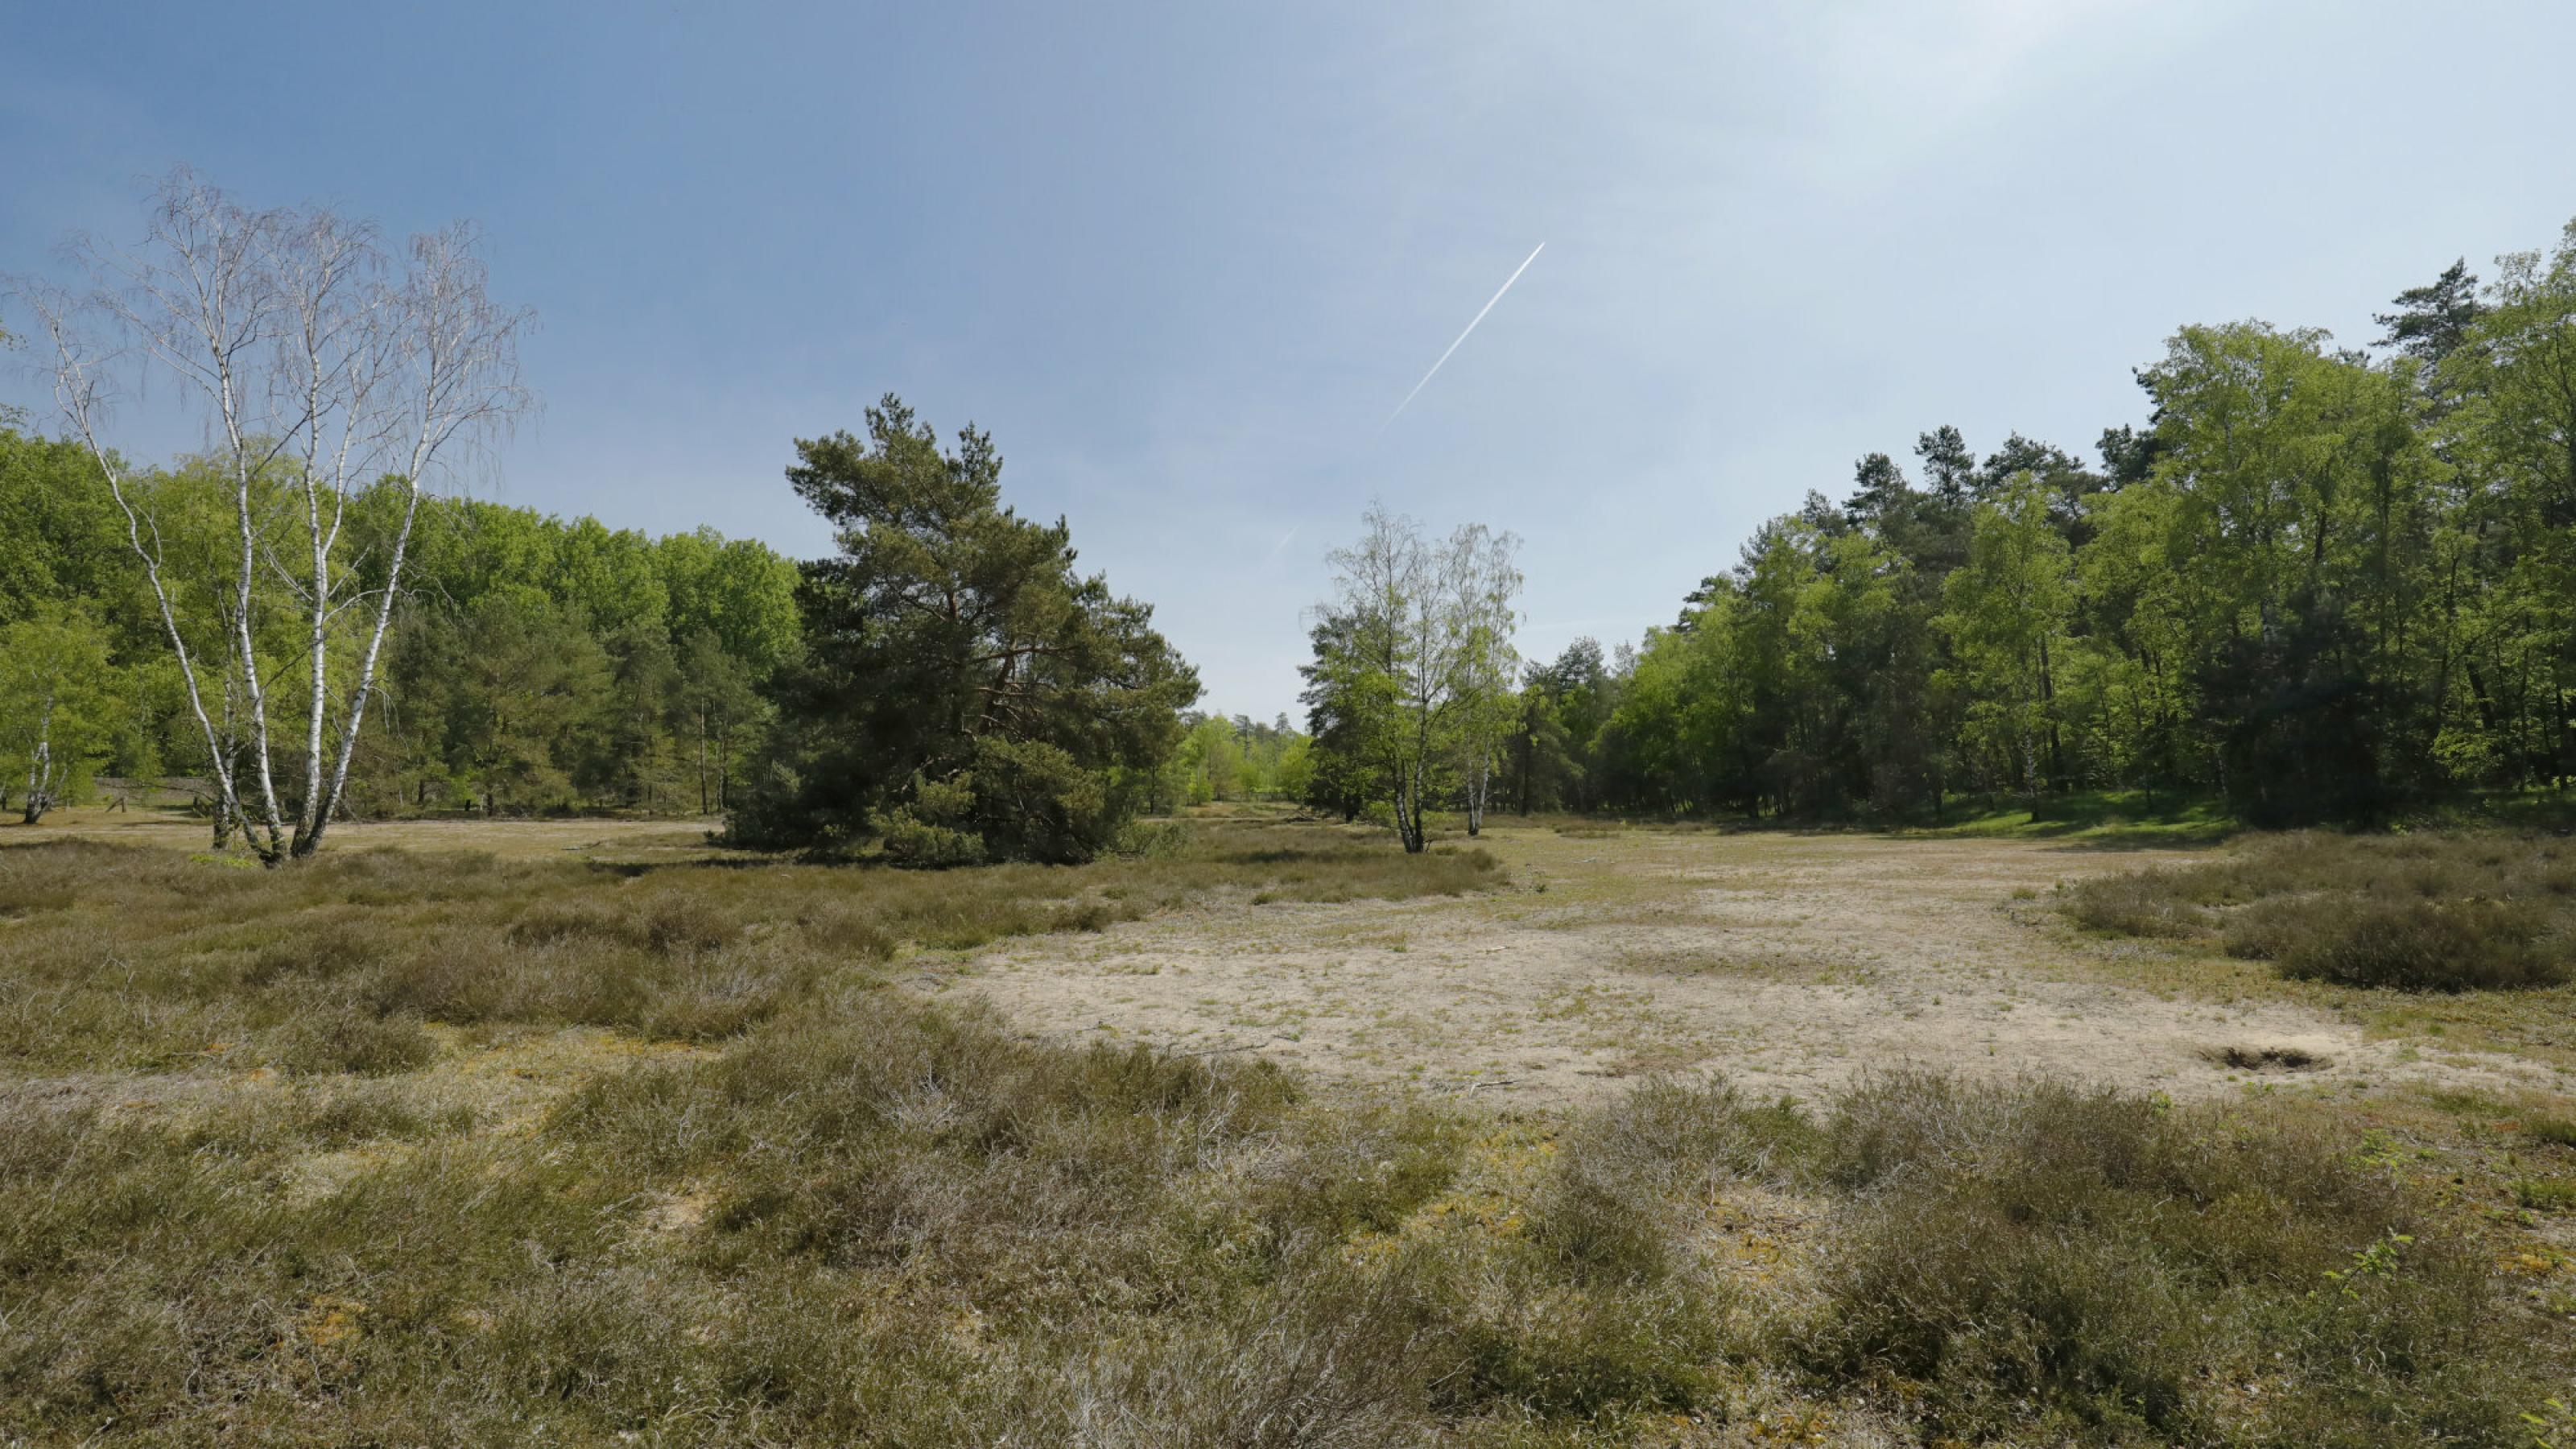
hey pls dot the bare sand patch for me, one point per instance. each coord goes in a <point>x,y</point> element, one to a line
<point>1791,963</point>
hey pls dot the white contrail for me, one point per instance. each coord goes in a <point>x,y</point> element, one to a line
<point>1283,539</point>
<point>1471,326</point>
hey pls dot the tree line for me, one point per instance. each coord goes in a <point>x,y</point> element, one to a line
<point>2318,583</point>
<point>538,665</point>
<point>311,615</point>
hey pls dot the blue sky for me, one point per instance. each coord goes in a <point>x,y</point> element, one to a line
<point>1183,260</point>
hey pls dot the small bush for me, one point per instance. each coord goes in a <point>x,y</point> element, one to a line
<point>1631,1178</point>
<point>2411,944</point>
<point>2138,904</point>
<point>1584,1351</point>
<point>911,840</point>
<point>322,951</point>
<point>350,1039</point>
<point>2416,912</point>
<point>1152,839</point>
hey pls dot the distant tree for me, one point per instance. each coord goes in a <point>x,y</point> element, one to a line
<point>2129,455</point>
<point>55,703</point>
<point>636,765</point>
<point>61,542</point>
<point>1344,708</point>
<point>963,693</point>
<point>2068,484</point>
<point>1482,582</point>
<point>719,700</point>
<point>1948,467</point>
<point>1878,491</point>
<point>2007,612</point>
<point>525,700</point>
<point>2432,321</point>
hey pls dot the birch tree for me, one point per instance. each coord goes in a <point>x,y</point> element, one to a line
<point>322,367</point>
<point>1415,663</point>
<point>1377,662</point>
<point>1483,584</point>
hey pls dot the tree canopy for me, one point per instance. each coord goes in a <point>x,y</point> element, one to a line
<point>964,693</point>
<point>2320,584</point>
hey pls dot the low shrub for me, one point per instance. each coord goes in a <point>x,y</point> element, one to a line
<point>2545,1194</point>
<point>2102,1268</point>
<point>2411,912</point>
<point>2137,904</point>
<point>1582,1351</point>
<point>2413,944</point>
<point>1631,1180</point>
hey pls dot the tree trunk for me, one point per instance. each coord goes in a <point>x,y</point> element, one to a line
<point>306,842</point>
<point>1478,779</point>
<point>42,778</point>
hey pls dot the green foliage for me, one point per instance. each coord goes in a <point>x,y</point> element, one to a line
<point>2321,587</point>
<point>1410,693</point>
<point>536,664</point>
<point>56,705</point>
<point>960,680</point>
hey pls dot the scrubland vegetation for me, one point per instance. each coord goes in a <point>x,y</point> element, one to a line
<point>2435,912</point>
<point>410,1148</point>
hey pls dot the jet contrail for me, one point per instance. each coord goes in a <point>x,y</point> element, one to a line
<point>1471,326</point>
<point>1283,539</point>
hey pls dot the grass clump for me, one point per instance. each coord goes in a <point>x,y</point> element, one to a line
<point>1633,1182</point>
<point>351,1039</point>
<point>2457,912</point>
<point>2545,1194</point>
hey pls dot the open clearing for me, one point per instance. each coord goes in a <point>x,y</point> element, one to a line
<point>588,1136</point>
<point>1788,962</point>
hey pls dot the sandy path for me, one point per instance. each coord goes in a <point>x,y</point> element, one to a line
<point>1790,963</point>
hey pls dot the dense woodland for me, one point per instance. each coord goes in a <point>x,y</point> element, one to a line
<point>2318,583</point>
<point>540,664</point>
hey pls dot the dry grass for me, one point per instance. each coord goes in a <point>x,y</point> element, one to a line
<point>851,1216</point>
<point>122,957</point>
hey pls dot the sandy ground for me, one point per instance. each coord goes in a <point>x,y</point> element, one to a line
<point>1790,963</point>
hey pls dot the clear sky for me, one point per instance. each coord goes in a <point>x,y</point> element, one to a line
<point>1183,260</point>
